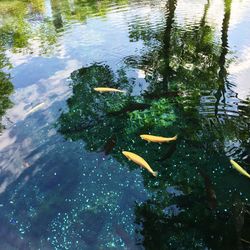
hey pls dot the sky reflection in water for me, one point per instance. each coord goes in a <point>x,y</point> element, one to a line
<point>185,74</point>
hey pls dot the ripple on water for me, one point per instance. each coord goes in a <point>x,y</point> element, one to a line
<point>54,187</point>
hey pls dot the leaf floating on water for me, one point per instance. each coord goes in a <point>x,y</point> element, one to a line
<point>106,89</point>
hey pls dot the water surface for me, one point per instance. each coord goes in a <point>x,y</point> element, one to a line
<point>64,183</point>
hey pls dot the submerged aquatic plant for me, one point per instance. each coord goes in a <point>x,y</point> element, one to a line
<point>160,114</point>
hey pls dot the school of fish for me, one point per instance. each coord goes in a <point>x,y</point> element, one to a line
<point>139,160</point>
<point>150,138</point>
<point>157,139</point>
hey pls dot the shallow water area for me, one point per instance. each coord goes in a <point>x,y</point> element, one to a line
<point>64,182</point>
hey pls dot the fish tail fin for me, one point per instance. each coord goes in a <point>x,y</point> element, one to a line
<point>155,173</point>
<point>175,137</point>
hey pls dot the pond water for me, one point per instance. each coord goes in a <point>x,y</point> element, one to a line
<point>64,182</point>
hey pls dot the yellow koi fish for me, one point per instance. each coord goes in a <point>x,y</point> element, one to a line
<point>159,139</point>
<point>140,161</point>
<point>105,89</point>
<point>36,108</point>
<point>239,168</point>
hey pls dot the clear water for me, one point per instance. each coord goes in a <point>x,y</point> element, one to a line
<point>64,183</point>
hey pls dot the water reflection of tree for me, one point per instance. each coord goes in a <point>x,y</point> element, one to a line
<point>6,87</point>
<point>95,117</point>
<point>223,82</point>
<point>15,33</point>
<point>65,10</point>
<point>186,61</point>
<point>16,30</point>
<point>11,36</point>
<point>194,60</point>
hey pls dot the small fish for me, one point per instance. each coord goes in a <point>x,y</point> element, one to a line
<point>37,107</point>
<point>109,145</point>
<point>166,95</point>
<point>140,161</point>
<point>159,139</point>
<point>211,195</point>
<point>245,241</point>
<point>105,89</point>
<point>169,153</point>
<point>131,107</point>
<point>126,238</point>
<point>239,168</point>
<point>238,216</point>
